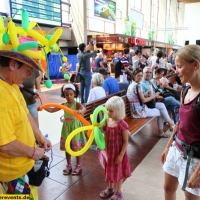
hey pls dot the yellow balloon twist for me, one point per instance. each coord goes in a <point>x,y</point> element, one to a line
<point>95,134</point>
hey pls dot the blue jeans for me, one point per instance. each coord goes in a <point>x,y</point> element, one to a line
<point>86,78</point>
<point>172,105</point>
<point>33,110</point>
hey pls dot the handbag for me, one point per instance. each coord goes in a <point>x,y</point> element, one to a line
<point>77,78</point>
<point>38,172</point>
<point>151,104</point>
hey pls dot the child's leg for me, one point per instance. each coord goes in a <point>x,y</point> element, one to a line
<point>111,185</point>
<point>119,186</point>
<point>78,160</point>
<point>68,158</point>
<point>68,168</point>
<point>118,193</point>
<point>78,166</point>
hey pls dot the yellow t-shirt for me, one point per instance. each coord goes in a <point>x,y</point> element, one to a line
<point>14,125</point>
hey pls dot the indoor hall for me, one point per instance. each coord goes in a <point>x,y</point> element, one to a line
<point>144,151</point>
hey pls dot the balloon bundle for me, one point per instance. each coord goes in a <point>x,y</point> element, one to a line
<point>26,40</point>
<point>94,131</point>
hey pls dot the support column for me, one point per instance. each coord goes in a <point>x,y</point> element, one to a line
<point>85,21</point>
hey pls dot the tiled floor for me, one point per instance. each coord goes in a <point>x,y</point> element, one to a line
<point>90,182</point>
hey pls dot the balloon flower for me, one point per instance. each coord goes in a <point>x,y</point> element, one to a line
<point>94,131</point>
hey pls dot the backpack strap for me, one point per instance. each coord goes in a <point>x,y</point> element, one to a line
<point>137,90</point>
<point>184,92</point>
<point>198,105</point>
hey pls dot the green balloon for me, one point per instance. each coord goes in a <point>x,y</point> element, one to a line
<point>27,45</point>
<point>14,49</point>
<point>99,138</point>
<point>95,114</point>
<point>48,37</point>
<point>66,77</point>
<point>25,21</point>
<point>6,38</point>
<point>48,83</point>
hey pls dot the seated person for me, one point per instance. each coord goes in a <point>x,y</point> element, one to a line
<point>110,84</point>
<point>171,103</point>
<point>138,97</point>
<point>97,91</point>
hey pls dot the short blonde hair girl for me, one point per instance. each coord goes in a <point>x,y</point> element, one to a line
<point>189,53</point>
<point>117,104</point>
<point>98,79</point>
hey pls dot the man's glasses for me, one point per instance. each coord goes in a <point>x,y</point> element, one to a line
<point>148,72</point>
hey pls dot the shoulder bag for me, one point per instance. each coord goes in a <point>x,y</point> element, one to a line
<point>77,78</point>
<point>150,104</point>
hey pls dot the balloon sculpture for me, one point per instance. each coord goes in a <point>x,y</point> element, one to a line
<point>93,129</point>
<point>28,41</point>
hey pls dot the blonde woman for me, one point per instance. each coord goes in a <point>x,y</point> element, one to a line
<point>187,131</point>
<point>97,90</point>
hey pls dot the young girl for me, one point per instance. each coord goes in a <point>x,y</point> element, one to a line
<point>117,167</point>
<point>70,91</point>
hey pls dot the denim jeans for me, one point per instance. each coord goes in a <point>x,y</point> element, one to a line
<point>86,78</point>
<point>172,105</point>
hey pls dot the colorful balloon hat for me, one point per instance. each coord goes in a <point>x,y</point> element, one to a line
<point>29,46</point>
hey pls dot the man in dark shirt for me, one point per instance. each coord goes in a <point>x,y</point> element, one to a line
<point>85,70</point>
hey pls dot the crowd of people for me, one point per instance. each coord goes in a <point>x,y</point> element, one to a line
<point>150,94</point>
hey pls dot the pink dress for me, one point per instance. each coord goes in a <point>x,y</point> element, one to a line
<point>115,172</point>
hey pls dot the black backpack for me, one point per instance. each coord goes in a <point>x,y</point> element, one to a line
<point>118,67</point>
<point>197,105</point>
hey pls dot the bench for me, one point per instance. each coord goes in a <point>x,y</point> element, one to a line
<point>135,125</point>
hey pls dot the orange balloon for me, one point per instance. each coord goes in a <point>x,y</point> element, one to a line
<point>44,64</point>
<point>70,111</point>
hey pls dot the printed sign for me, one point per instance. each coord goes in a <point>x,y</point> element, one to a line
<point>105,9</point>
<point>44,12</point>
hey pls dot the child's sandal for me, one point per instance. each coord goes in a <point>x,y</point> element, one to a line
<point>67,170</point>
<point>107,192</point>
<point>116,196</point>
<point>77,170</point>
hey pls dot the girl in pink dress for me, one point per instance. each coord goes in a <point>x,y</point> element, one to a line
<point>117,167</point>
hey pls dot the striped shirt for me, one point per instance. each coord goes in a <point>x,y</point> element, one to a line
<point>125,61</point>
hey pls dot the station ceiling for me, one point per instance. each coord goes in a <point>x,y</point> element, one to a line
<point>189,1</point>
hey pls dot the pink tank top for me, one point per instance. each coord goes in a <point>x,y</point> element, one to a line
<point>189,127</point>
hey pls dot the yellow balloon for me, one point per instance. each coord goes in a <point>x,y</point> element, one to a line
<point>1,22</point>
<point>33,54</point>
<point>24,34</point>
<point>38,37</point>
<point>3,30</point>
<point>31,24</point>
<point>86,147</point>
<point>46,49</point>
<point>19,30</point>
<point>55,36</point>
<point>64,59</point>
<point>5,47</point>
<point>13,34</point>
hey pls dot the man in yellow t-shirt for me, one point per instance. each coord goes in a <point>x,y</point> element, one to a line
<point>18,130</point>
